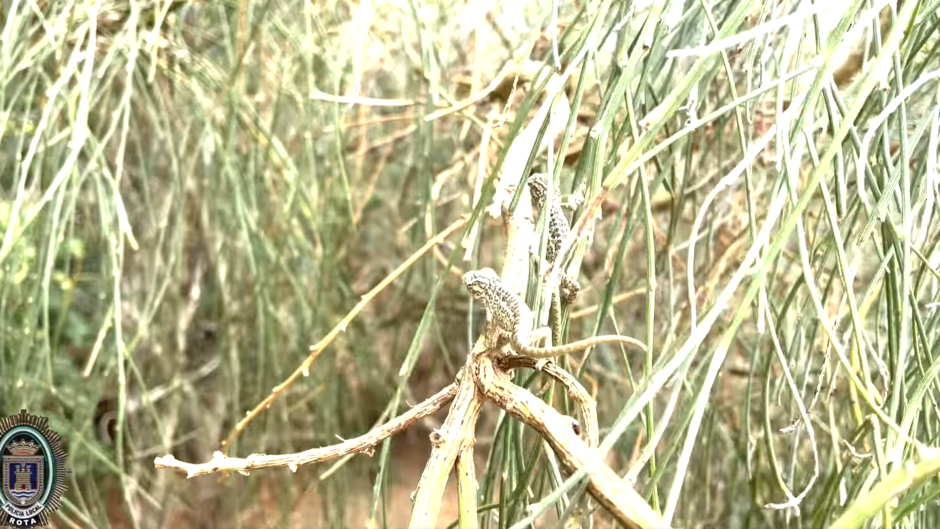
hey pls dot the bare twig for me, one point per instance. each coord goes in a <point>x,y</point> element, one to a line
<point>358,445</point>
<point>461,421</point>
<point>589,429</point>
<point>628,507</point>
<point>315,350</point>
<point>447,442</point>
<point>467,486</point>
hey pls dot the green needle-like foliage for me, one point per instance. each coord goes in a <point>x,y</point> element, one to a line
<point>192,193</point>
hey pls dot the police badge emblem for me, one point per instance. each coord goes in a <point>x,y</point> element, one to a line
<point>33,465</point>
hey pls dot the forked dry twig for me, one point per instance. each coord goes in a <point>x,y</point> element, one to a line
<point>618,497</point>
<point>454,438</point>
<point>363,444</point>
<point>589,430</point>
<point>304,368</point>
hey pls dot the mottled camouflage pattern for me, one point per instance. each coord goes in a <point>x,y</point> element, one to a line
<point>558,228</point>
<point>503,308</point>
<point>514,318</point>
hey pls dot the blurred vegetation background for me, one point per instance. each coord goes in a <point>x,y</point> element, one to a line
<point>194,192</point>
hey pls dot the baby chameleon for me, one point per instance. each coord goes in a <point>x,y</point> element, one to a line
<point>539,188</point>
<point>514,319</point>
<point>558,229</point>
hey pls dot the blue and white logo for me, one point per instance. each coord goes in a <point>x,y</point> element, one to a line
<point>33,471</point>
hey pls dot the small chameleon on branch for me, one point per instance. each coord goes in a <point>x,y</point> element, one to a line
<point>513,317</point>
<point>558,229</point>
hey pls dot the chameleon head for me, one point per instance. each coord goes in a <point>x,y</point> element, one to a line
<point>479,282</point>
<point>538,187</point>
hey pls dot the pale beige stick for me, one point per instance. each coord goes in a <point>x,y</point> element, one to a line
<point>362,444</point>
<point>446,443</point>
<point>366,101</point>
<point>461,420</point>
<point>628,507</point>
<point>589,429</point>
<point>466,486</point>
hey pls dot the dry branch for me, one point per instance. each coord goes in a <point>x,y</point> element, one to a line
<point>628,507</point>
<point>457,435</point>
<point>315,350</point>
<point>458,430</point>
<point>467,486</point>
<point>589,429</point>
<point>362,444</point>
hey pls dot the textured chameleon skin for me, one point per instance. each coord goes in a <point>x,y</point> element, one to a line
<point>558,228</point>
<point>513,317</point>
<point>503,308</point>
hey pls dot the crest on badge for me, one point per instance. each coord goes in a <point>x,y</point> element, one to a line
<point>33,471</point>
